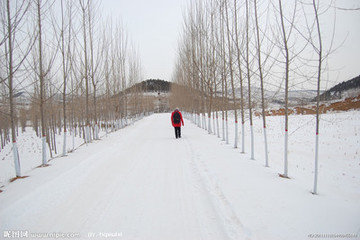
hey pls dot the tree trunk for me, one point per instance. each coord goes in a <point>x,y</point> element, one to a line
<point>11,98</point>
<point>231,75</point>
<point>261,85</point>
<point>42,87</point>
<point>249,80</point>
<point>315,191</point>
<point>287,62</point>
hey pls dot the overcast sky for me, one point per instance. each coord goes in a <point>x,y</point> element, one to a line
<point>154,26</point>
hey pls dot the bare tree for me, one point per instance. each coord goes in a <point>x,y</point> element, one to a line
<point>65,42</point>
<point>285,38</point>
<point>224,75</point>
<point>261,83</point>
<point>42,75</point>
<point>238,55</point>
<point>12,20</point>
<point>94,63</point>
<point>249,79</point>
<point>230,59</point>
<point>84,5</point>
<point>319,51</point>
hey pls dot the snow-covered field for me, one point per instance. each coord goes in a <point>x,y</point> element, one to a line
<point>339,154</point>
<point>29,146</point>
<point>142,183</point>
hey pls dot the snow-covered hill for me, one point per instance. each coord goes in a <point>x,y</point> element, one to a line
<point>350,88</point>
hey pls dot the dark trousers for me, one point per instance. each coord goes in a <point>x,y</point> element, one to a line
<point>177,132</point>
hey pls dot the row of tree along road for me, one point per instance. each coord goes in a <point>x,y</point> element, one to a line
<point>64,68</point>
<point>228,45</point>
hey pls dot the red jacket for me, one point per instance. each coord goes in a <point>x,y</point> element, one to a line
<point>181,120</point>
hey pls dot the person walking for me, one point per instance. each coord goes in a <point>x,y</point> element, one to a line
<point>177,120</point>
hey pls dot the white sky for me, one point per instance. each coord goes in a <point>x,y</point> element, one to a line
<point>155,25</point>
<point>344,62</point>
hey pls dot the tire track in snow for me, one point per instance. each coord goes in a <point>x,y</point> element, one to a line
<point>202,208</point>
<point>229,220</point>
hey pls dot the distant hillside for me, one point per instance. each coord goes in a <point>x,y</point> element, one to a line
<point>349,88</point>
<point>154,93</point>
<point>152,85</point>
<point>296,97</point>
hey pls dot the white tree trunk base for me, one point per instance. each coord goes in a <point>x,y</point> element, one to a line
<point>44,155</point>
<point>16,160</point>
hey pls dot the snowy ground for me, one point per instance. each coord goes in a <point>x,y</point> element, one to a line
<point>141,183</point>
<point>30,154</point>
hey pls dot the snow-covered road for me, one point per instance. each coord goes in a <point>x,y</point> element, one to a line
<point>142,183</point>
